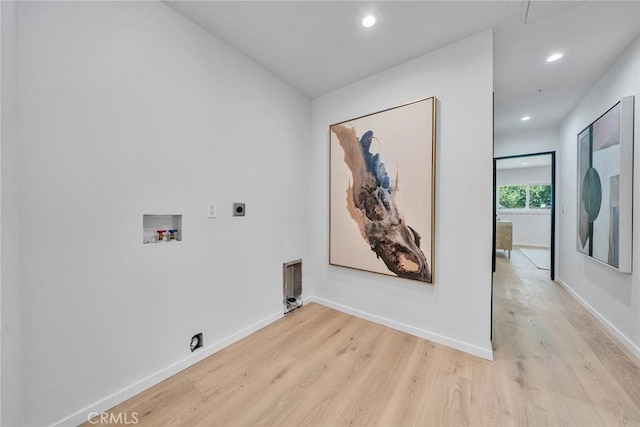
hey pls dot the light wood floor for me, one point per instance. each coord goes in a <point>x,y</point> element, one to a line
<point>554,365</point>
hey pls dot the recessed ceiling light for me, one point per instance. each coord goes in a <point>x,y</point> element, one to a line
<point>525,118</point>
<point>554,57</point>
<point>524,163</point>
<point>368,21</point>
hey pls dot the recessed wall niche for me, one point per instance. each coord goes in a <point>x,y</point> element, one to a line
<point>161,229</point>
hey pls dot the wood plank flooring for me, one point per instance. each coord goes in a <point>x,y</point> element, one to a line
<point>554,365</point>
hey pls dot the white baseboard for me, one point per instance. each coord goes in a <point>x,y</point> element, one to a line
<point>485,353</point>
<point>619,336</point>
<point>126,393</point>
<point>531,245</point>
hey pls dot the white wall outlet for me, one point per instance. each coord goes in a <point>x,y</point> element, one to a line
<point>212,211</point>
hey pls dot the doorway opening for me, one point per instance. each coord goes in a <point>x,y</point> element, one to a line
<point>524,199</point>
<point>524,208</point>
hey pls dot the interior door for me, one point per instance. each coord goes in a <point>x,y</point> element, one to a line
<point>495,215</point>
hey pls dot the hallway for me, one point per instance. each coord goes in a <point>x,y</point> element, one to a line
<point>557,363</point>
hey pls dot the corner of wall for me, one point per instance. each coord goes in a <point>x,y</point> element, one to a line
<point>460,76</point>
<point>11,370</point>
<point>207,124</point>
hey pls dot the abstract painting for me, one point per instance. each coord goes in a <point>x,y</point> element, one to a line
<point>605,192</point>
<point>382,187</point>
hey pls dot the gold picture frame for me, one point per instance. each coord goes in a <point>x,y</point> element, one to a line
<point>382,191</point>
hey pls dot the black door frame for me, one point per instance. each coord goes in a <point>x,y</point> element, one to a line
<point>553,206</point>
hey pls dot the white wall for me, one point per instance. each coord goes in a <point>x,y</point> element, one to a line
<point>127,108</point>
<point>526,142</point>
<point>456,310</point>
<point>533,175</point>
<point>613,297</point>
<point>10,307</point>
<point>530,227</point>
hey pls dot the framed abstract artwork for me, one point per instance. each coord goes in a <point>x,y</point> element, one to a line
<point>605,187</point>
<point>382,191</point>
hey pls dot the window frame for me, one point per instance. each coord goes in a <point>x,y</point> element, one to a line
<point>527,208</point>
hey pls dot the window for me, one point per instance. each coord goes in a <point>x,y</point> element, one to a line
<point>512,197</point>
<point>524,196</point>
<point>539,197</point>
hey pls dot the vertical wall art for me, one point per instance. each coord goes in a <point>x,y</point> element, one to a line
<point>605,187</point>
<point>382,188</point>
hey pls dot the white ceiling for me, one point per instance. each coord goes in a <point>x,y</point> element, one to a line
<point>320,46</point>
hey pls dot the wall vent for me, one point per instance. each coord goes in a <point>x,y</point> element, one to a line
<point>292,285</point>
